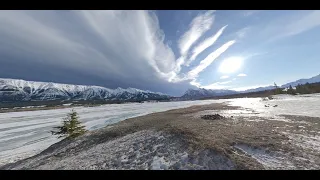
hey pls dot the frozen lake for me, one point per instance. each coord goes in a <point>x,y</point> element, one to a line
<point>24,134</point>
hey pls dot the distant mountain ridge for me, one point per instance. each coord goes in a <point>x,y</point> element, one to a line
<point>199,93</point>
<point>203,93</point>
<point>21,90</point>
<point>258,89</point>
<point>314,79</point>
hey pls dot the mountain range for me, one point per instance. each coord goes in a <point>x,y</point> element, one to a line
<point>13,90</point>
<point>314,79</point>
<point>203,93</point>
<point>21,90</point>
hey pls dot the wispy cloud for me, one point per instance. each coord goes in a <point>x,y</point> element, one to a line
<point>195,83</point>
<point>209,59</point>
<point>192,74</point>
<point>251,55</point>
<point>198,27</point>
<point>250,12</point>
<point>290,25</point>
<point>204,45</point>
<point>242,75</point>
<point>242,32</point>
<point>224,77</point>
<point>304,23</point>
<point>250,87</point>
<point>217,85</point>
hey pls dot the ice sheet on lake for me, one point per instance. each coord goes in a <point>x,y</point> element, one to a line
<point>23,134</point>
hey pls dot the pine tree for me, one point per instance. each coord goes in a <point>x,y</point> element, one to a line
<point>277,89</point>
<point>71,127</point>
<point>308,88</point>
<point>298,88</point>
<point>291,90</point>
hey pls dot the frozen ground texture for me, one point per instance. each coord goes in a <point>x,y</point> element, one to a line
<point>146,149</point>
<point>273,160</point>
<point>300,105</point>
<point>24,134</point>
<point>151,149</point>
<point>304,138</point>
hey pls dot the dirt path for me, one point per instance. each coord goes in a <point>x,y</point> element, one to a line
<point>181,139</point>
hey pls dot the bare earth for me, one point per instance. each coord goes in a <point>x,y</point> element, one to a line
<point>181,139</point>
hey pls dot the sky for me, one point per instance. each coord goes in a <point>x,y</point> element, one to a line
<point>163,51</point>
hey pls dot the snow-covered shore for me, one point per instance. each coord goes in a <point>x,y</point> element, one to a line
<point>24,130</point>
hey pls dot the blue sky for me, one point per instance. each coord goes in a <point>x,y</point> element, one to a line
<point>167,51</point>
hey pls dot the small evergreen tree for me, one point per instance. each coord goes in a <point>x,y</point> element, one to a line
<point>299,88</point>
<point>291,90</point>
<point>71,127</point>
<point>277,89</point>
<point>308,88</point>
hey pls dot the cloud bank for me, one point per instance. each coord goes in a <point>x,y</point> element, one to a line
<point>127,48</point>
<point>109,48</point>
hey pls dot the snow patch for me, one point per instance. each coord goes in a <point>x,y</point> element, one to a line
<point>306,142</point>
<point>159,163</point>
<point>268,160</point>
<point>299,105</point>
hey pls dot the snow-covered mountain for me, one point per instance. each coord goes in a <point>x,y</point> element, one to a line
<point>202,93</point>
<point>314,79</point>
<point>21,90</point>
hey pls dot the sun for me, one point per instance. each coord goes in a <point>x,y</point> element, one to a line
<point>230,65</point>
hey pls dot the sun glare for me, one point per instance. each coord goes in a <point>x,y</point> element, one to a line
<point>230,65</point>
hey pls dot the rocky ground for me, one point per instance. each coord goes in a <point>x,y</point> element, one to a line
<point>236,138</point>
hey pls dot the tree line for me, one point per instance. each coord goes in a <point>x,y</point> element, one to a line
<point>307,88</point>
